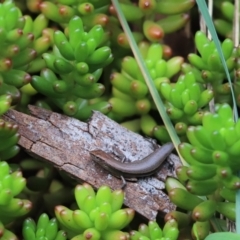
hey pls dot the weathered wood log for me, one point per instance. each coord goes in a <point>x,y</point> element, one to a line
<point>65,142</point>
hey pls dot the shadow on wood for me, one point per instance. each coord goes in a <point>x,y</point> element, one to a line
<point>65,142</point>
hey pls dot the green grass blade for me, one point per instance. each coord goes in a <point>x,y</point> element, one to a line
<point>238,211</point>
<point>157,100</point>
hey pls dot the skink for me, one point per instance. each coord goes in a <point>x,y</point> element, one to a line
<point>142,168</point>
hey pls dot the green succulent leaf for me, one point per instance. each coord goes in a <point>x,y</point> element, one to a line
<point>223,236</point>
